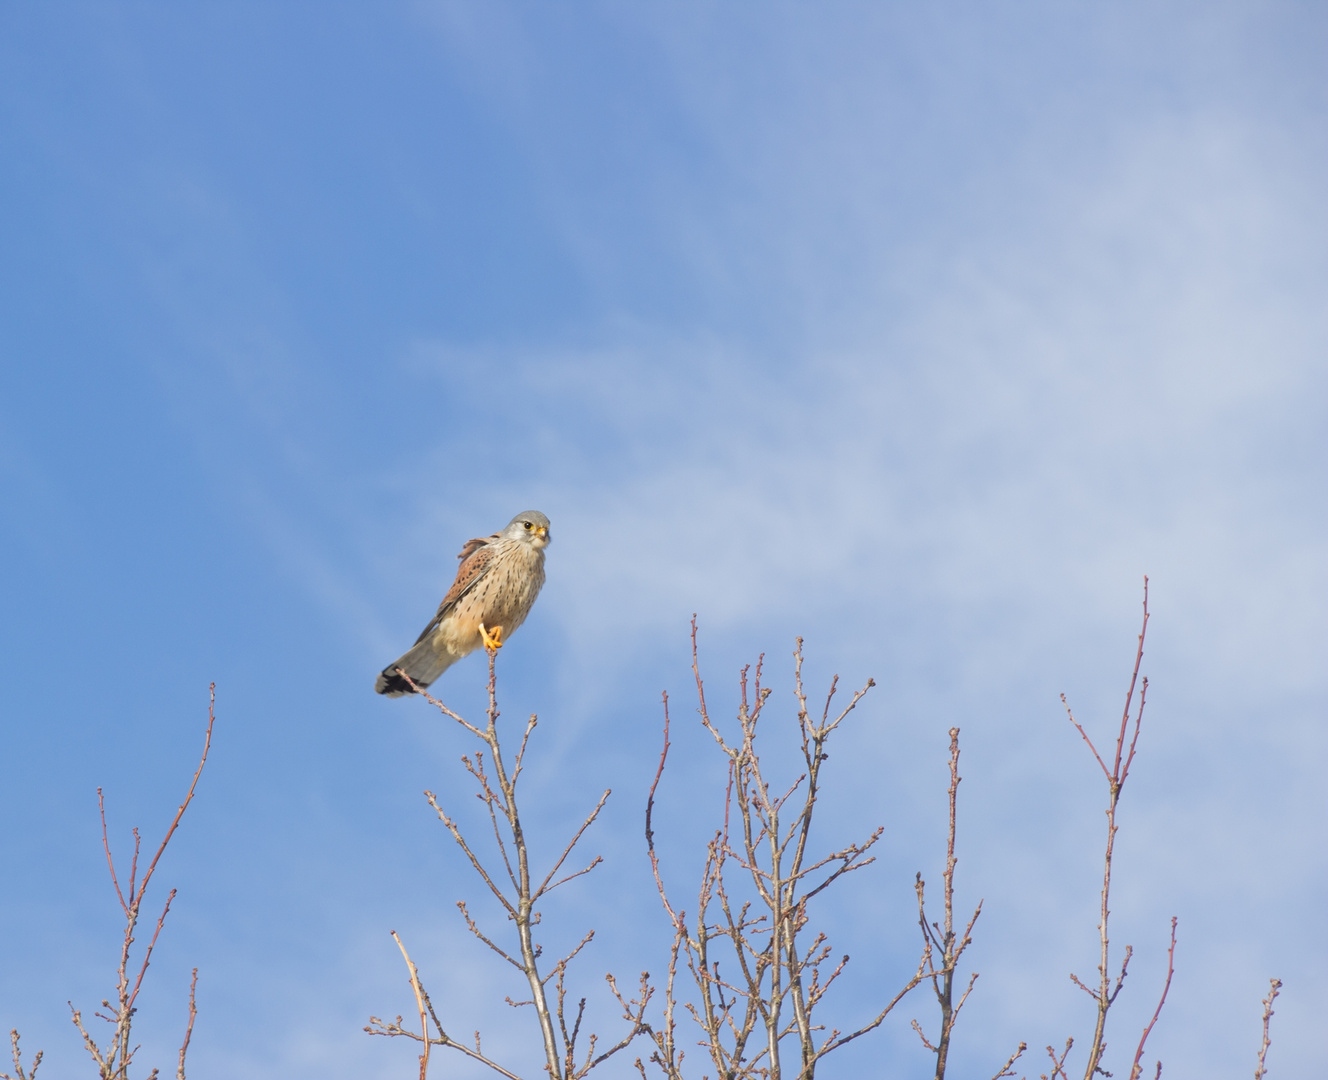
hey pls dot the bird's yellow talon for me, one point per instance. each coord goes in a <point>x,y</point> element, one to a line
<point>493,639</point>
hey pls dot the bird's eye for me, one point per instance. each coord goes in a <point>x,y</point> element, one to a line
<point>527,524</point>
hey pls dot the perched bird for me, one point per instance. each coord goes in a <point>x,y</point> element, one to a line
<point>495,586</point>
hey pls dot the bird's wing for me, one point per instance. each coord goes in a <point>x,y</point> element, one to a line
<point>471,546</point>
<point>475,558</point>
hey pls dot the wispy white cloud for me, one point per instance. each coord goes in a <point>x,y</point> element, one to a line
<point>983,433</point>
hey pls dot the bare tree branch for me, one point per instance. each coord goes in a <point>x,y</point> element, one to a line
<point>1105,993</point>
<point>31,1073</point>
<point>113,1061</point>
<point>189,1028</point>
<point>944,941</point>
<point>775,978</point>
<point>1008,1068</point>
<point>1274,986</point>
<point>1136,1068</point>
<point>497,790</point>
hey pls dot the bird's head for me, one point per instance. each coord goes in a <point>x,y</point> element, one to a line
<point>530,527</point>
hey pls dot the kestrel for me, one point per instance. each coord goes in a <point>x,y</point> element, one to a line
<point>495,586</point>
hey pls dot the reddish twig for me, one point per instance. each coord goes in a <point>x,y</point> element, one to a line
<point>1136,1069</point>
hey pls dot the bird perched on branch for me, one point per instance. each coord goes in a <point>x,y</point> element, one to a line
<point>495,587</point>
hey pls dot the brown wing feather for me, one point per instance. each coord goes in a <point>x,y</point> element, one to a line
<point>472,545</point>
<point>475,558</point>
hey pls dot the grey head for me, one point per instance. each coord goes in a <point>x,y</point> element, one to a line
<point>530,527</point>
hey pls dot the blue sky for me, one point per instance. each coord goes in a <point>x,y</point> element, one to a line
<point>922,333</point>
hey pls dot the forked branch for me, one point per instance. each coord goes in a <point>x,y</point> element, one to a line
<point>31,1072</point>
<point>113,1060</point>
<point>753,902</point>
<point>497,779</point>
<point>940,939</point>
<point>1104,993</point>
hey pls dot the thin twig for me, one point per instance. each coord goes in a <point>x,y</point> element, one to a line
<point>19,1073</point>
<point>1136,1069</point>
<point>1008,1068</point>
<point>113,1062</point>
<point>419,1001</point>
<point>189,1028</point>
<point>1274,985</point>
<point>944,940</point>
<point>1105,995</point>
<point>1058,1064</point>
<point>544,885</point>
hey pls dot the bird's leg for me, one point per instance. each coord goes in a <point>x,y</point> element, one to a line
<point>493,639</point>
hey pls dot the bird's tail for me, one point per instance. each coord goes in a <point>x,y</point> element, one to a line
<point>423,664</point>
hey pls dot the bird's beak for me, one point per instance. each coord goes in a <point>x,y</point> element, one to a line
<point>542,532</point>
